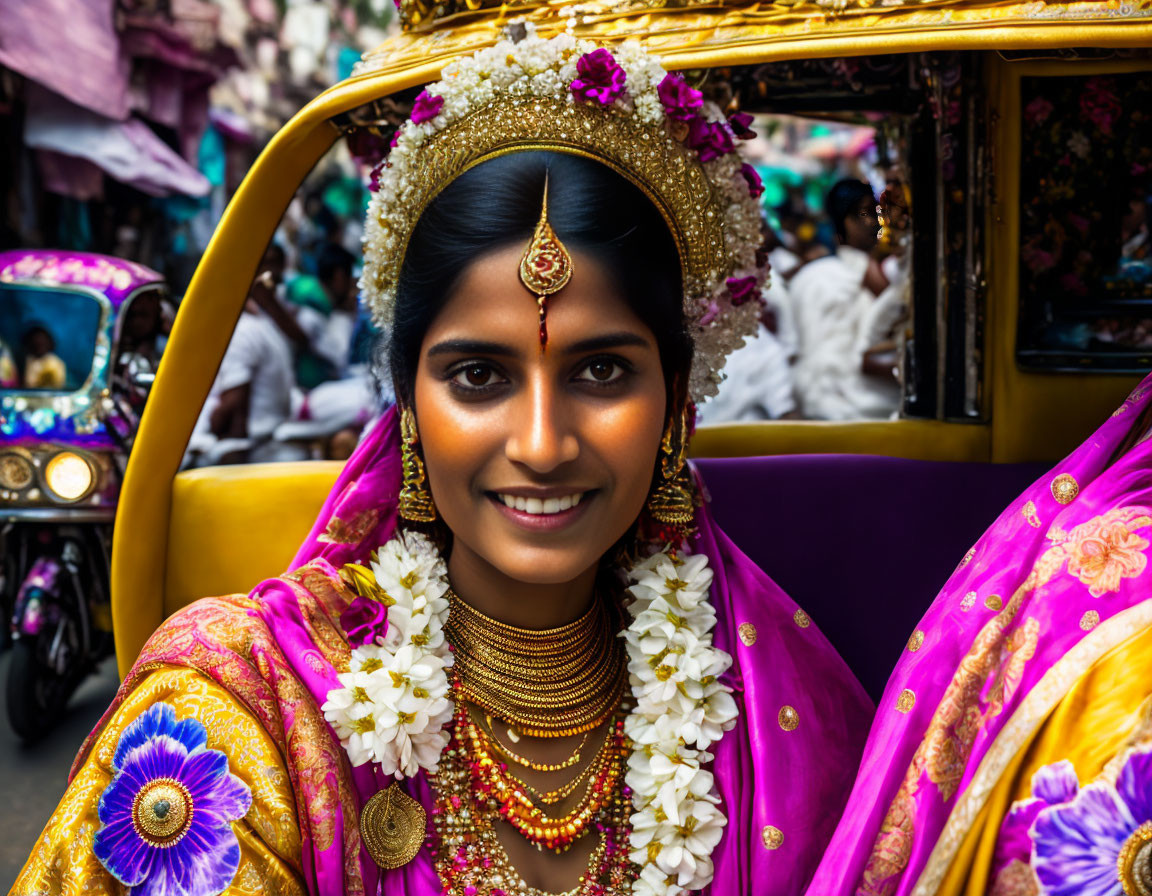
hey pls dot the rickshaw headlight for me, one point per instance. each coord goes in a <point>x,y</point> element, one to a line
<point>69,476</point>
<point>15,472</point>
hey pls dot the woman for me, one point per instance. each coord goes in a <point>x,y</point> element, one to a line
<point>516,654</point>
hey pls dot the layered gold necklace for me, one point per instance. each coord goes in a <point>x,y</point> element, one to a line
<point>555,682</point>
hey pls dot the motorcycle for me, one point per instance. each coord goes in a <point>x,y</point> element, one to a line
<point>80,338</point>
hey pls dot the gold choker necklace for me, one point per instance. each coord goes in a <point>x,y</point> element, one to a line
<point>553,682</point>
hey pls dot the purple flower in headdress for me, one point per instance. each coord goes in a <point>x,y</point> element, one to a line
<point>374,178</point>
<point>711,312</point>
<point>741,124</point>
<point>167,815</point>
<point>680,101</point>
<point>1077,846</point>
<point>755,185</point>
<point>364,621</point>
<point>710,139</point>
<point>742,289</point>
<point>600,78</point>
<point>426,107</point>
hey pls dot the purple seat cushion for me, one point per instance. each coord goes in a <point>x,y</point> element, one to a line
<point>862,543</point>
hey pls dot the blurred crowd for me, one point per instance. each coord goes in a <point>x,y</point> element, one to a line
<point>296,380</point>
<point>829,341</point>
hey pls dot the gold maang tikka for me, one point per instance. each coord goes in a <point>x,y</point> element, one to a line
<point>546,266</point>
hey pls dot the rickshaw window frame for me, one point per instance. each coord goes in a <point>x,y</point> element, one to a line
<point>45,397</point>
<point>160,286</point>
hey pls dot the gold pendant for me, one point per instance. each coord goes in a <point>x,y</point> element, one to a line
<point>393,827</point>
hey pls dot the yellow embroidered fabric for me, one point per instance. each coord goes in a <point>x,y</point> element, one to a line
<point>62,862</point>
<point>1100,717</point>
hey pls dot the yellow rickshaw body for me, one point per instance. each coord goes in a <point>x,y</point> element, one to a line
<point>179,536</point>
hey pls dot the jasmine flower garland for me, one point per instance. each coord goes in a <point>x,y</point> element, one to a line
<point>393,705</point>
<point>681,710</point>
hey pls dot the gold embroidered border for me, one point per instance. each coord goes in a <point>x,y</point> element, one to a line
<point>1041,700</point>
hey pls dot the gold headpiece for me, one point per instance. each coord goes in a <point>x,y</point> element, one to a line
<point>617,107</point>
<point>546,266</point>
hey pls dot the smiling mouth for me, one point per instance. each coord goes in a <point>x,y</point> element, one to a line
<point>540,506</point>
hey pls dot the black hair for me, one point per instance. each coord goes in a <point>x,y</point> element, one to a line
<point>26,339</point>
<point>591,208</point>
<point>332,258</point>
<point>842,199</point>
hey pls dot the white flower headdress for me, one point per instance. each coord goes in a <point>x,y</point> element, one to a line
<point>393,706</point>
<point>619,107</point>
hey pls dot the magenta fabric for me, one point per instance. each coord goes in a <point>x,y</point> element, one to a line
<point>70,176</point>
<point>128,150</point>
<point>796,781</point>
<point>977,662</point>
<point>81,61</point>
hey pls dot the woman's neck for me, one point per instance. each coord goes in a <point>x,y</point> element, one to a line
<point>522,604</point>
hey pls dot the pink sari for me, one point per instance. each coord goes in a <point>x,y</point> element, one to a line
<point>782,784</point>
<point>1054,584</point>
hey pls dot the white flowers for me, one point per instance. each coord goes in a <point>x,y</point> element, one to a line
<point>393,705</point>
<point>681,709</point>
<point>536,67</point>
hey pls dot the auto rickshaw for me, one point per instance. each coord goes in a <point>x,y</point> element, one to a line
<point>80,338</point>
<point>1002,369</point>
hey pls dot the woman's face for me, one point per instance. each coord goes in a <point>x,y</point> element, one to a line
<point>538,459</point>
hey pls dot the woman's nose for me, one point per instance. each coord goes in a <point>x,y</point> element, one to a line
<point>542,437</point>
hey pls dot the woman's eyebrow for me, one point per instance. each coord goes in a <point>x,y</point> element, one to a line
<point>470,347</point>
<point>622,339</point>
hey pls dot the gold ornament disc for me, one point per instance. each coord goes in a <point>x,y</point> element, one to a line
<point>393,827</point>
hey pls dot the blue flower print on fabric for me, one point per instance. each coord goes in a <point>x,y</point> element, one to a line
<point>1097,842</point>
<point>166,818</point>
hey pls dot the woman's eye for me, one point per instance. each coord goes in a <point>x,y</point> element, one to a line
<point>475,376</point>
<point>601,370</point>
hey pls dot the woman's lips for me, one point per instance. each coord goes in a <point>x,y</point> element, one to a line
<point>542,513</point>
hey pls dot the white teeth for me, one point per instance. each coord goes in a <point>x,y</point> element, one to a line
<point>538,506</point>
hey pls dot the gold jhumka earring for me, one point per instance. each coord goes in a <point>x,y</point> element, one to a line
<point>673,502</point>
<point>546,266</point>
<point>415,501</point>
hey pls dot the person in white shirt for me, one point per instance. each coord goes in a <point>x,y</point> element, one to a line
<point>847,310</point>
<point>252,393</point>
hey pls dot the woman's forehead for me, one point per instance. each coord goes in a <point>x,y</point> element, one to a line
<point>490,303</point>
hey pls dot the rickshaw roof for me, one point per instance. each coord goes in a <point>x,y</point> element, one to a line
<point>705,33</point>
<point>116,278</point>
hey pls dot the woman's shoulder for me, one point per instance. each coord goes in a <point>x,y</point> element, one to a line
<point>208,631</point>
<point>175,741</point>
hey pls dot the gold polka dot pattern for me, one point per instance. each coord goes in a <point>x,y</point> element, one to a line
<point>1089,620</point>
<point>916,641</point>
<point>747,632</point>
<point>772,837</point>
<point>1065,488</point>
<point>905,701</point>
<point>993,602</point>
<point>802,619</point>
<point>788,718</point>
